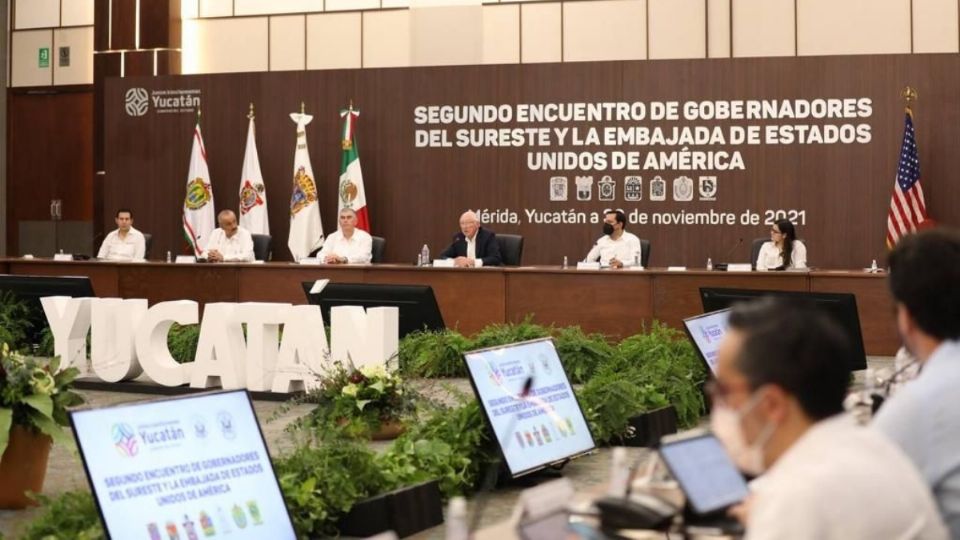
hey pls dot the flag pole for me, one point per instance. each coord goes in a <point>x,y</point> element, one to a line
<point>909,94</point>
<point>250,114</point>
<point>302,109</point>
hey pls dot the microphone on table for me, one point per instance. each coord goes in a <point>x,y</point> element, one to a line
<point>720,265</point>
<point>490,475</point>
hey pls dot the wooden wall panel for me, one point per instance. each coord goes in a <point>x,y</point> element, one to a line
<point>416,194</point>
<point>49,156</point>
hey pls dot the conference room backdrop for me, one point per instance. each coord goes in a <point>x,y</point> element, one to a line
<point>701,154</point>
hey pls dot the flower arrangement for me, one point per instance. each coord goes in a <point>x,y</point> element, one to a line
<point>34,395</point>
<point>360,403</point>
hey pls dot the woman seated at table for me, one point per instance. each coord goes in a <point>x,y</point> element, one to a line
<point>783,251</point>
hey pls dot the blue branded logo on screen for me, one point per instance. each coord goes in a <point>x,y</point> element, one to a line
<point>226,425</point>
<point>712,332</point>
<point>125,439</point>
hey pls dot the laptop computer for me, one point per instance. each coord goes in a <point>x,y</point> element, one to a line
<point>706,331</point>
<point>183,467</point>
<point>708,478</point>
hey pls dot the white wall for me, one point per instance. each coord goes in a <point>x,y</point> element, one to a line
<point>259,35</point>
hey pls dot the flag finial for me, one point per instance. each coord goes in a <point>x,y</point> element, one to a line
<point>351,104</point>
<point>198,114</point>
<point>250,114</point>
<point>302,107</point>
<point>910,94</point>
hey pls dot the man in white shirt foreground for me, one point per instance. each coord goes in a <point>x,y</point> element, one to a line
<point>616,248</point>
<point>348,245</point>
<point>125,243</point>
<point>923,418</point>
<point>778,409</point>
<point>229,242</point>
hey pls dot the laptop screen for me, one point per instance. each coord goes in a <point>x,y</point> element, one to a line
<point>705,472</point>
<point>706,331</point>
<point>189,467</point>
<point>530,403</point>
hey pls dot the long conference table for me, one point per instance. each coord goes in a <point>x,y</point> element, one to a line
<point>615,302</point>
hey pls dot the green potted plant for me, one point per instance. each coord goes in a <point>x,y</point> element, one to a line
<point>34,397</point>
<point>361,403</point>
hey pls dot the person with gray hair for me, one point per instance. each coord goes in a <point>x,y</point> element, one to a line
<point>473,246</point>
<point>229,242</point>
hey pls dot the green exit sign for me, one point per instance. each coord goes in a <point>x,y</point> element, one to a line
<point>43,59</point>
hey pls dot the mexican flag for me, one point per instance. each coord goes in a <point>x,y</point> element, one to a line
<point>199,218</point>
<point>350,190</point>
<point>253,195</point>
<point>306,231</point>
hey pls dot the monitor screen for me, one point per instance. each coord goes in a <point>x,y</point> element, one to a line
<point>31,289</point>
<point>188,467</point>
<point>705,472</point>
<point>706,331</point>
<point>530,404</point>
<point>841,306</point>
<point>417,305</point>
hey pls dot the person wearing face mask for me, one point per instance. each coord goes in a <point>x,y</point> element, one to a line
<point>616,248</point>
<point>923,417</point>
<point>778,409</point>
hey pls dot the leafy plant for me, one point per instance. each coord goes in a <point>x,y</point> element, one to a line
<point>609,401</point>
<point>182,342</point>
<point>667,361</point>
<point>321,484</point>
<point>502,334</point>
<point>34,395</point>
<point>70,515</point>
<point>45,346</point>
<point>434,354</point>
<point>15,321</point>
<point>453,446</point>
<point>581,354</point>
<point>358,402</point>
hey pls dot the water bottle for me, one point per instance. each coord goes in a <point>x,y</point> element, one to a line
<point>564,261</point>
<point>424,255</point>
<point>457,526</point>
<point>873,266</point>
<point>168,257</point>
<point>636,258</point>
<point>619,473</point>
<point>709,263</point>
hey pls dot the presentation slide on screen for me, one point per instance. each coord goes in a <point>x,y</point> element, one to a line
<point>707,331</point>
<point>543,427</point>
<point>182,469</point>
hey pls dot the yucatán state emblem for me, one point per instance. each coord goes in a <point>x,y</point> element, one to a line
<point>198,194</point>
<point>348,192</point>
<point>250,196</point>
<point>304,192</point>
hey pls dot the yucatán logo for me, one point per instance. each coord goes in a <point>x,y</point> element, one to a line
<point>124,439</point>
<point>136,102</point>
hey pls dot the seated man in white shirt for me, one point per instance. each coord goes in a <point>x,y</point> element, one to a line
<point>230,242</point>
<point>778,409</point>
<point>348,245</point>
<point>616,248</point>
<point>125,243</point>
<point>923,418</point>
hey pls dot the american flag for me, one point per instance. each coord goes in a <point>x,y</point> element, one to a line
<point>907,208</point>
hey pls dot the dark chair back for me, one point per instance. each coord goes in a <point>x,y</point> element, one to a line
<point>511,249</point>
<point>376,252</point>
<point>755,250</point>
<point>645,253</point>
<point>147,242</point>
<point>261,247</point>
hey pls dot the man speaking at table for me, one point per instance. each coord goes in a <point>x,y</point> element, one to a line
<point>473,246</point>
<point>230,242</point>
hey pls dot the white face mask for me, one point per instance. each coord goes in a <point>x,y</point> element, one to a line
<point>725,424</point>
